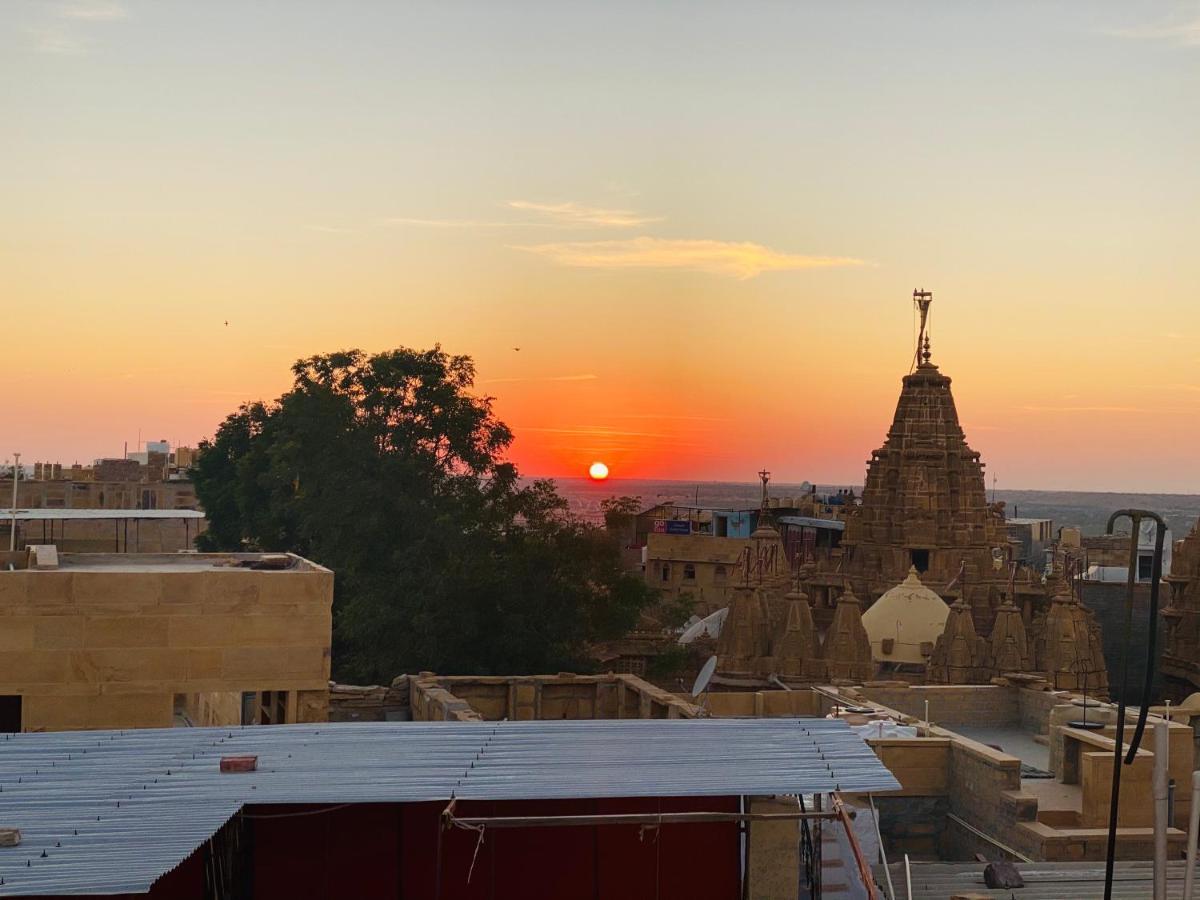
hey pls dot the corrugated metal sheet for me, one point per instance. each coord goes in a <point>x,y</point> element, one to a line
<point>107,812</point>
<point>808,521</point>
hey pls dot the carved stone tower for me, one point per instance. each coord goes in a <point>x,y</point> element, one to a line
<point>847,649</point>
<point>795,649</point>
<point>1181,655</point>
<point>960,655</point>
<point>925,503</point>
<point>1067,646</point>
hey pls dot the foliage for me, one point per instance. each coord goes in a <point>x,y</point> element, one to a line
<point>388,470</point>
<point>619,513</point>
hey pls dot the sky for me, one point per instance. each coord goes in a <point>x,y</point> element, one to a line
<point>700,223</point>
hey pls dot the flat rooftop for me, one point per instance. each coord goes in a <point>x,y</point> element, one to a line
<point>180,562</point>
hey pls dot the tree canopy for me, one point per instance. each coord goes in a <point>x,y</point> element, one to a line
<point>389,470</point>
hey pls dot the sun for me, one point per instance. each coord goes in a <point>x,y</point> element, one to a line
<point>598,471</point>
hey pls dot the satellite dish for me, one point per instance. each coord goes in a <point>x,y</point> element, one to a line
<point>705,676</point>
<point>710,625</point>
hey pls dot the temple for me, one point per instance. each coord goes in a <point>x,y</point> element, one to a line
<point>1181,655</point>
<point>924,503</point>
<point>924,526</point>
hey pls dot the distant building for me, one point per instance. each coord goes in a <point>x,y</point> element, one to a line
<point>151,640</point>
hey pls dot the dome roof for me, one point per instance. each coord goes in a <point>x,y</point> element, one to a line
<point>906,616</point>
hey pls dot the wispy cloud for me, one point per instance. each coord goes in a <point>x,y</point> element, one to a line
<point>740,260</point>
<point>584,377</point>
<point>69,35</point>
<point>1106,409</point>
<point>57,40</point>
<point>91,10</point>
<point>577,214</point>
<point>595,431</point>
<point>1182,29</point>
<point>451,223</point>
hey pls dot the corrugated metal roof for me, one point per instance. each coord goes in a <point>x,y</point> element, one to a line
<point>810,522</point>
<point>115,810</point>
<point>1043,880</point>
<point>38,515</point>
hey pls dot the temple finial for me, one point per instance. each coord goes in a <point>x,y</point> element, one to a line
<point>922,298</point>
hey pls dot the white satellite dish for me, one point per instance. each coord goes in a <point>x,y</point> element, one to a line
<point>705,676</point>
<point>710,625</point>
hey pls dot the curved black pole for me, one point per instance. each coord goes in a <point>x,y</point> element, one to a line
<point>1135,516</point>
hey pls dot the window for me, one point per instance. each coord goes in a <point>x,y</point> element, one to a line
<point>1145,567</point>
<point>719,573</point>
<point>919,559</point>
<point>10,713</point>
<point>666,571</point>
<point>689,572</point>
<point>630,665</point>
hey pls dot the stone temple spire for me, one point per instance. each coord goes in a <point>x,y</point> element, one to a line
<point>924,502</point>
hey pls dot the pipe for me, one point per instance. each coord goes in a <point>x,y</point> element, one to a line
<point>908,876</point>
<point>1162,745</point>
<point>1189,877</point>
<point>1135,516</point>
<point>891,892</point>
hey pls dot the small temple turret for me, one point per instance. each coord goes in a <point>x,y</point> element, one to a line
<point>960,655</point>
<point>1008,642</point>
<point>847,649</point>
<point>795,650</point>
<point>744,642</point>
<point>1067,647</point>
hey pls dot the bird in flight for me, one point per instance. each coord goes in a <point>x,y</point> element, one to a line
<point>226,323</point>
<point>518,349</point>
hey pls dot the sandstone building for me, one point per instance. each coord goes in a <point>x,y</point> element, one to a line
<point>1181,655</point>
<point>149,640</point>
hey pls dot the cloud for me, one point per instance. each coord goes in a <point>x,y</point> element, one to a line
<point>586,377</point>
<point>449,223</point>
<point>57,41</point>
<point>1112,409</point>
<point>576,214</point>
<point>92,10</point>
<point>1176,30</point>
<point>740,260</point>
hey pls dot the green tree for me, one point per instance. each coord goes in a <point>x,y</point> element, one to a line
<point>388,469</point>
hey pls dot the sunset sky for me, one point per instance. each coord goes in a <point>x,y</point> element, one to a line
<point>700,223</point>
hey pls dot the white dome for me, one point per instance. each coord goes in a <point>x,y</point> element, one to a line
<point>910,615</point>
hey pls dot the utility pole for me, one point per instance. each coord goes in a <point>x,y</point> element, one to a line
<point>12,535</point>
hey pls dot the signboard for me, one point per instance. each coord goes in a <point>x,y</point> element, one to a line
<point>672,526</point>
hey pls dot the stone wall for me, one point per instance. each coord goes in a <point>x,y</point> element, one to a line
<point>110,646</point>
<point>768,704</point>
<point>562,696</point>
<point>952,704</point>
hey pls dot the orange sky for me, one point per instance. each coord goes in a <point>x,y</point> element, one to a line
<point>702,230</point>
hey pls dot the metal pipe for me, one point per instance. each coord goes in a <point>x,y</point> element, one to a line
<point>908,876</point>
<point>1189,877</point>
<point>678,818</point>
<point>1135,516</point>
<point>882,853</point>
<point>1162,746</point>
